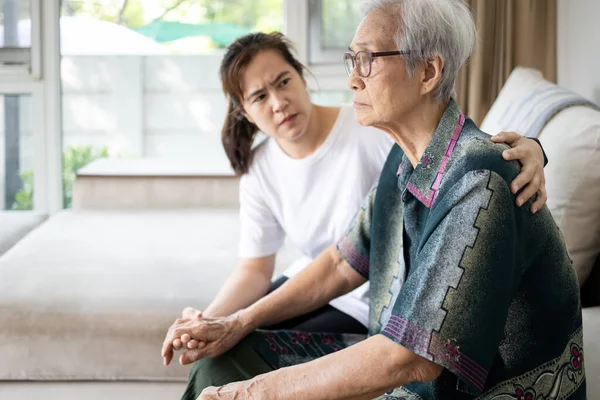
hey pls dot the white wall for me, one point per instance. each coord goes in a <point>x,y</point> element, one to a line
<point>579,47</point>
<point>151,106</point>
<point>154,106</point>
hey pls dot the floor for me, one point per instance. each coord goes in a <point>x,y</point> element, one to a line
<point>91,390</point>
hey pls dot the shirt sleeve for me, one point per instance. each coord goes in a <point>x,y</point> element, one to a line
<point>543,152</point>
<point>453,305</point>
<point>354,246</point>
<point>260,232</point>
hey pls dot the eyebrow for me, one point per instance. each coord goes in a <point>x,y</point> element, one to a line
<point>361,44</point>
<point>277,78</point>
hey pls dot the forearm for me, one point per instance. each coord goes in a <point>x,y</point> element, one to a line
<point>244,287</point>
<point>326,278</point>
<point>363,371</point>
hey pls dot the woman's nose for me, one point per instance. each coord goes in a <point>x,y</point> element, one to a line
<point>355,82</point>
<point>279,103</point>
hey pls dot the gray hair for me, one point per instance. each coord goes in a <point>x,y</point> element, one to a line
<point>432,28</point>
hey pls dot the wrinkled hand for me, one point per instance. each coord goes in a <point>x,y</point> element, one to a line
<point>237,390</point>
<point>531,178</point>
<point>203,337</point>
<point>185,341</point>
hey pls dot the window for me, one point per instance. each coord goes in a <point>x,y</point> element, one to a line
<point>26,123</point>
<point>140,77</point>
<point>16,152</point>
<point>331,28</point>
<point>20,37</point>
<point>15,40</point>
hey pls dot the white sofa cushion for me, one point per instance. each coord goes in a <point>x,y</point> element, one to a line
<point>14,225</point>
<point>572,143</point>
<point>89,295</point>
<point>591,350</point>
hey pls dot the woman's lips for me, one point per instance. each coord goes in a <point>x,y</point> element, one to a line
<point>289,119</point>
<point>359,105</point>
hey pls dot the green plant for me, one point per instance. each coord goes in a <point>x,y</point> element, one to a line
<point>74,158</point>
<point>24,197</point>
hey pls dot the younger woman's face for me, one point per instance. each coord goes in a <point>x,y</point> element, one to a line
<point>275,98</point>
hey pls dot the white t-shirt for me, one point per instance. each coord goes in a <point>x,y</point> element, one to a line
<point>311,200</point>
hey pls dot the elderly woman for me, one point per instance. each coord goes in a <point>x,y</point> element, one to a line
<point>470,295</point>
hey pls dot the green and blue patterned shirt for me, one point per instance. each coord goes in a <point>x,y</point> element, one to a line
<point>462,276</point>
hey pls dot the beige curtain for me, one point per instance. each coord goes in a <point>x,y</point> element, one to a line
<point>510,33</point>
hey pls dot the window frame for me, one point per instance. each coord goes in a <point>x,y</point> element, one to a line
<point>318,55</point>
<point>40,80</point>
<point>297,26</point>
<point>28,59</point>
<point>35,91</point>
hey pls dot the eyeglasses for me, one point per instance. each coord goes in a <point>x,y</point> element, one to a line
<point>363,60</point>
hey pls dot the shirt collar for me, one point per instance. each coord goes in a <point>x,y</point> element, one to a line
<point>426,178</point>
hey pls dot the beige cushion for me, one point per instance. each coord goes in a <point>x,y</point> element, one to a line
<point>90,295</point>
<point>591,351</point>
<point>572,143</point>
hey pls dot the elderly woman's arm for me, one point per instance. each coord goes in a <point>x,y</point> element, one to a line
<point>328,277</point>
<point>363,371</point>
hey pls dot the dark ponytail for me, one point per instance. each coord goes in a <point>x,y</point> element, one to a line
<point>237,137</point>
<point>238,133</point>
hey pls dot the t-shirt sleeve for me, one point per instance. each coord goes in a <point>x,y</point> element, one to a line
<point>453,305</point>
<point>355,244</point>
<point>260,232</point>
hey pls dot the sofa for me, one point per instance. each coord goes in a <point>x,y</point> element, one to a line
<point>15,225</point>
<point>86,297</point>
<point>571,140</point>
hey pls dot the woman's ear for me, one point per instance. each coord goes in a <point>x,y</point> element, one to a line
<point>432,74</point>
<point>247,116</point>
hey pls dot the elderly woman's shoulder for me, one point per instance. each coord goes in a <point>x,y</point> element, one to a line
<point>475,151</point>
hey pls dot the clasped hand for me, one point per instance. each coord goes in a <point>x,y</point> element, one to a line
<point>201,336</point>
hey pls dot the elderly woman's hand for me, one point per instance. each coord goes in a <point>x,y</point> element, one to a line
<point>532,179</point>
<point>188,313</point>
<point>244,390</point>
<point>211,336</point>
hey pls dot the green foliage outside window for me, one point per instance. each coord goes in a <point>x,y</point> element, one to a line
<point>142,15</point>
<point>74,158</point>
<point>24,197</point>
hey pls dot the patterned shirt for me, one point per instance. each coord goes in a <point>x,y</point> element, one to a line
<point>462,276</point>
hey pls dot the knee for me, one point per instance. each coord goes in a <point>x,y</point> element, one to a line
<point>208,372</point>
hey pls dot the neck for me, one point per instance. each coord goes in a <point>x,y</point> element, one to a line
<point>318,128</point>
<point>414,132</point>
